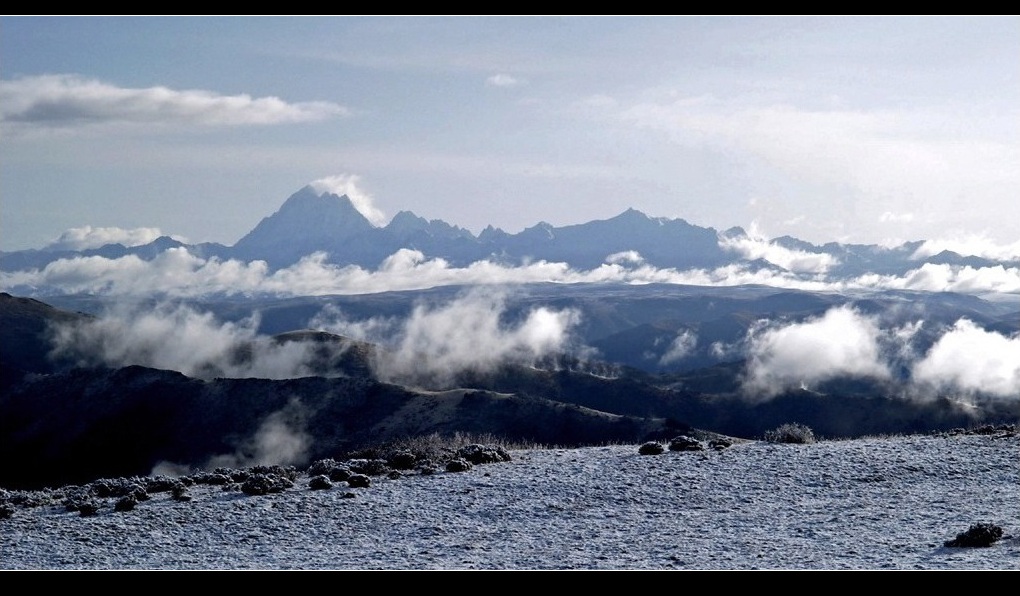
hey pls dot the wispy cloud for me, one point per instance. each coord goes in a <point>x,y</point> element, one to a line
<point>72,101</point>
<point>349,184</point>
<point>502,80</point>
<point>975,245</point>
<point>683,344</point>
<point>281,439</point>
<point>469,334</point>
<point>87,237</point>
<point>176,337</point>
<point>472,332</point>
<point>177,272</point>
<point>754,245</point>
<point>872,164</point>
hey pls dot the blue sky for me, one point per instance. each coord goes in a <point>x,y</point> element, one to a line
<point>871,130</point>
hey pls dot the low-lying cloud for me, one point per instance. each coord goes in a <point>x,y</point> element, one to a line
<point>970,359</point>
<point>479,330</point>
<point>178,337</point>
<point>87,237</point>
<point>178,273</point>
<point>964,360</point>
<point>978,246</point>
<point>471,333</point>
<point>281,439</point>
<point>755,246</point>
<point>681,346</point>
<point>842,342</point>
<point>72,101</point>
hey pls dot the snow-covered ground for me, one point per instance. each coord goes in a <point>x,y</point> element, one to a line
<point>875,503</point>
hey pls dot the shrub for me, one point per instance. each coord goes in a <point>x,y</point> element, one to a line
<point>320,482</point>
<point>483,454</point>
<point>262,484</point>
<point>126,503</point>
<point>685,443</point>
<point>458,465</point>
<point>791,432</point>
<point>651,448</point>
<point>423,450</point>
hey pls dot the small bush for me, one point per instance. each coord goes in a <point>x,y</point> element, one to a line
<point>458,465</point>
<point>685,443</point>
<point>651,448</point>
<point>792,432</point>
<point>126,503</point>
<point>320,482</point>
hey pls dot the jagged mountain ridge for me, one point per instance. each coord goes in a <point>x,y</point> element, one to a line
<point>309,222</point>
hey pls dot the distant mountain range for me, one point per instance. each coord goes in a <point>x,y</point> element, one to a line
<point>310,222</point>
<point>652,360</point>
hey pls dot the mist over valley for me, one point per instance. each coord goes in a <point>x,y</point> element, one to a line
<point>320,331</point>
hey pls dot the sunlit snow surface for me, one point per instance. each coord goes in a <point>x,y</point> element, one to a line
<point>872,503</point>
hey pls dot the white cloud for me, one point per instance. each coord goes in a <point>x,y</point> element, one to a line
<point>871,164</point>
<point>71,101</point>
<point>87,237</point>
<point>946,278</point>
<point>502,80</point>
<point>842,342</point>
<point>625,257</point>
<point>975,245</point>
<point>755,246</point>
<point>469,334</point>
<point>176,272</point>
<point>348,184</point>
<point>682,345</point>
<point>176,337</point>
<point>281,439</point>
<point>889,216</point>
<point>969,359</point>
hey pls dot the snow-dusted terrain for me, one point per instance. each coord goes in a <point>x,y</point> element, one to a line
<point>872,503</point>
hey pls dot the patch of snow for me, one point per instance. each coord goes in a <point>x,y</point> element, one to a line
<point>871,503</point>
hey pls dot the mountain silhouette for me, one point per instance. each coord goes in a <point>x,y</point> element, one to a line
<point>310,222</point>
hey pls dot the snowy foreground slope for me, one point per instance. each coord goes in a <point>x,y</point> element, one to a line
<point>872,503</point>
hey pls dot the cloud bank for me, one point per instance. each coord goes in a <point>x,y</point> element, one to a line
<point>477,332</point>
<point>430,347</point>
<point>72,101</point>
<point>177,272</point>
